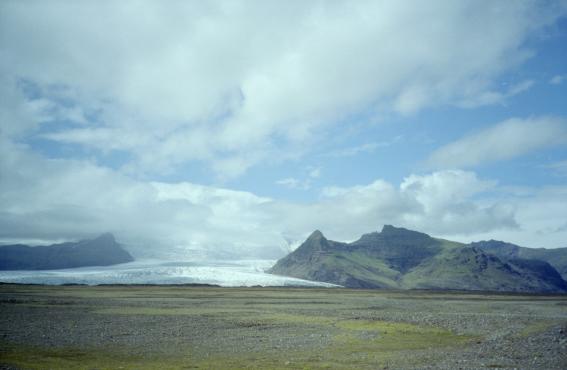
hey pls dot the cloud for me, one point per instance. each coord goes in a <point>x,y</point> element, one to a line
<point>496,97</point>
<point>235,83</point>
<point>558,79</point>
<point>448,207</point>
<point>438,203</point>
<point>352,151</point>
<point>559,168</point>
<point>370,147</point>
<point>540,214</point>
<point>455,205</point>
<point>54,200</point>
<point>48,199</point>
<point>18,115</point>
<point>293,183</point>
<point>561,228</point>
<point>503,141</point>
<point>313,173</point>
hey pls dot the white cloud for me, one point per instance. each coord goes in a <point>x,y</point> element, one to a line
<point>315,173</point>
<point>496,97</point>
<point>18,115</point>
<point>64,199</point>
<point>438,203</point>
<point>447,200</point>
<point>456,205</point>
<point>558,79</point>
<point>370,147</point>
<point>54,199</point>
<point>234,83</point>
<point>540,214</point>
<point>505,140</point>
<point>293,183</point>
<point>352,151</point>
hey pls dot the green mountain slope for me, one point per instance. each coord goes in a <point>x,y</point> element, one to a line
<point>404,259</point>
<point>321,259</point>
<point>470,268</point>
<point>555,257</point>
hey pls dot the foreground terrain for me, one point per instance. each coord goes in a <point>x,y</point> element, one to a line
<point>136,327</point>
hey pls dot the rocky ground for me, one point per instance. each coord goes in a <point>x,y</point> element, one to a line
<point>45,327</point>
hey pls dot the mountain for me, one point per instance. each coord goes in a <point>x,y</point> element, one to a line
<point>555,257</point>
<point>398,258</point>
<point>101,251</point>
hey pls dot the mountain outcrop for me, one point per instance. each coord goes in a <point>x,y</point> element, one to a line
<point>555,257</point>
<point>397,258</point>
<point>101,251</point>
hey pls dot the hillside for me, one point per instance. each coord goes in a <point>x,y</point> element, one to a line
<point>101,251</point>
<point>555,257</point>
<point>398,258</point>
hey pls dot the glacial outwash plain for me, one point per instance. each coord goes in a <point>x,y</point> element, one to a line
<point>206,327</point>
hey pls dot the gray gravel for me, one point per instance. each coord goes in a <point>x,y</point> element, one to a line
<point>523,332</point>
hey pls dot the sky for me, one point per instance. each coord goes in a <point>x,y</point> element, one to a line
<point>236,128</point>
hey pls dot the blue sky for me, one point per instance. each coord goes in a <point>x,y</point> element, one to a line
<point>242,126</point>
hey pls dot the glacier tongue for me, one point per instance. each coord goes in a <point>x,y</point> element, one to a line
<point>228,274</point>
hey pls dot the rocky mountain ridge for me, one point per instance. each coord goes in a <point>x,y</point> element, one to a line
<point>397,258</point>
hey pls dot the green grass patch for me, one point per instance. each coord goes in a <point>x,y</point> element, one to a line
<point>29,357</point>
<point>396,336</point>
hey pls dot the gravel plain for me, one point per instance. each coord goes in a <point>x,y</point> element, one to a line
<point>177,327</point>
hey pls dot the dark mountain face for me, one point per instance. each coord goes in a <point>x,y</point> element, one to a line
<point>400,258</point>
<point>471,268</point>
<point>501,249</point>
<point>540,269</point>
<point>555,257</point>
<point>101,251</point>
<point>402,249</point>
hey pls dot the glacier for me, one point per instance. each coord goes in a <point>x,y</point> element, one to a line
<point>243,273</point>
